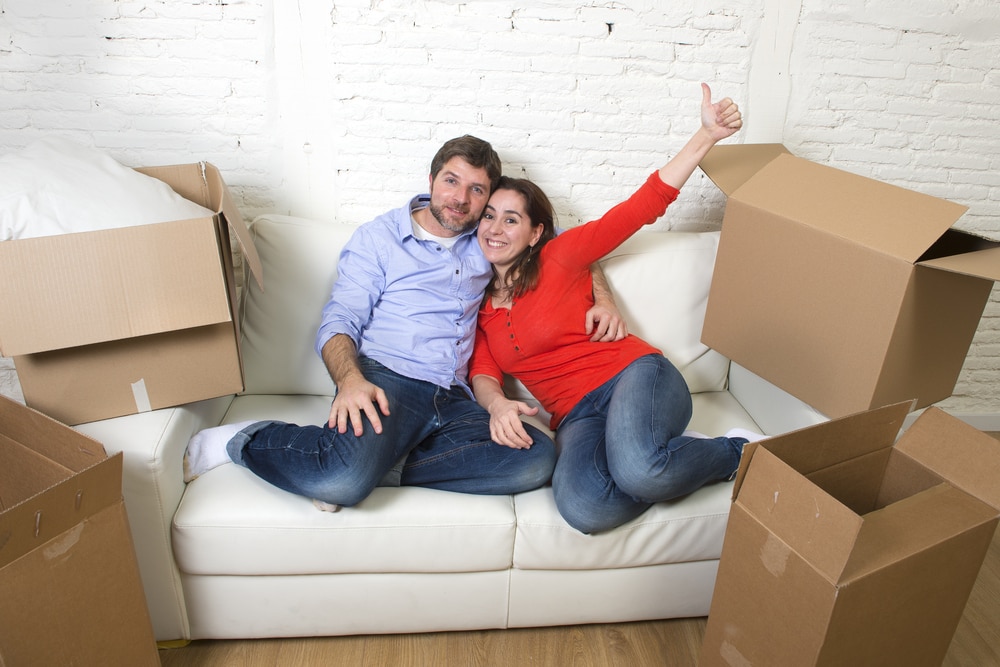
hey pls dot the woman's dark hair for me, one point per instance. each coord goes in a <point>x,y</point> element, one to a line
<point>525,267</point>
<point>476,152</point>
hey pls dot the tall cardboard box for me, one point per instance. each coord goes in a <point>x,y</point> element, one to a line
<point>70,592</point>
<point>846,292</point>
<point>847,547</point>
<point>113,322</point>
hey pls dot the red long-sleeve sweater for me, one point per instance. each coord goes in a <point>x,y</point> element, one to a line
<point>540,339</point>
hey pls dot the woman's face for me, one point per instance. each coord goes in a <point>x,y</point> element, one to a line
<point>505,229</point>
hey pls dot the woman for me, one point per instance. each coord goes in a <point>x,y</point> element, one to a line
<point>619,411</point>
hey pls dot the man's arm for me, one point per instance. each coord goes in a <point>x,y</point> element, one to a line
<point>604,320</point>
<point>355,394</point>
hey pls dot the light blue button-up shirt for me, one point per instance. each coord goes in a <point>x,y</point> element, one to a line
<point>409,304</point>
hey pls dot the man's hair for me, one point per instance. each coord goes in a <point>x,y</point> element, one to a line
<point>476,152</point>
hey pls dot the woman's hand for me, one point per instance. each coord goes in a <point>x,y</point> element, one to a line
<point>722,119</point>
<point>718,121</point>
<point>506,427</point>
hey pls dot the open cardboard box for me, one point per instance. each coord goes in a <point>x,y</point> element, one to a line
<point>70,592</point>
<point>113,322</point>
<point>847,547</point>
<point>846,292</point>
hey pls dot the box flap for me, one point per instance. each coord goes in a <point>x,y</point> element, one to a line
<point>828,444</point>
<point>48,437</point>
<point>978,264</point>
<point>887,218</point>
<point>203,183</point>
<point>730,166</point>
<point>58,508</point>
<point>964,456</point>
<point>37,452</point>
<point>913,525</point>
<point>799,514</point>
<point>92,287</point>
<point>238,225</point>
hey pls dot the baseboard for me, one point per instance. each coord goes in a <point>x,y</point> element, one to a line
<point>984,421</point>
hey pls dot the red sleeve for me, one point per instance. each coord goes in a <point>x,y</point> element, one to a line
<point>585,244</point>
<point>482,361</point>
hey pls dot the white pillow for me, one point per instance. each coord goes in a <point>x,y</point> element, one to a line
<point>661,281</point>
<point>57,186</point>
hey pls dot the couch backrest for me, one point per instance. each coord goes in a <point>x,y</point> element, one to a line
<point>660,280</point>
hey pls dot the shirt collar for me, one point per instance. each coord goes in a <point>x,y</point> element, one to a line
<point>405,227</point>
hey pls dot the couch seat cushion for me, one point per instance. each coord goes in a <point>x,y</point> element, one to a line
<point>230,522</point>
<point>685,530</point>
<point>690,529</point>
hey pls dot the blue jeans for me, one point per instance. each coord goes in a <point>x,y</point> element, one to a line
<point>621,448</point>
<point>443,434</point>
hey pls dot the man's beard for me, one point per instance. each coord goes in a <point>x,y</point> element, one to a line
<point>458,228</point>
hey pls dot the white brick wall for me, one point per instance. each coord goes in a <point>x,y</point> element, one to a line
<point>333,109</point>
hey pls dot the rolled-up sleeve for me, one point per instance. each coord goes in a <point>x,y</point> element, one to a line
<point>360,281</point>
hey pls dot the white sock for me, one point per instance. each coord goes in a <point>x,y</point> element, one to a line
<point>207,449</point>
<point>695,434</point>
<point>747,435</point>
<point>325,507</point>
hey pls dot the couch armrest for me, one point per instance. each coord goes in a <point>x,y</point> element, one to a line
<point>153,444</point>
<point>774,410</point>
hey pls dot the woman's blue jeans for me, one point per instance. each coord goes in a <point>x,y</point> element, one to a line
<point>443,434</point>
<point>622,448</point>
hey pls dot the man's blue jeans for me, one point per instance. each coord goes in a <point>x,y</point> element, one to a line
<point>443,433</point>
<point>622,448</point>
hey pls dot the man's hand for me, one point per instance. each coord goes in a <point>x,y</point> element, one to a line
<point>354,397</point>
<point>355,394</point>
<point>605,324</point>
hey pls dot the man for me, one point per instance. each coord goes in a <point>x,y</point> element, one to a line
<point>396,336</point>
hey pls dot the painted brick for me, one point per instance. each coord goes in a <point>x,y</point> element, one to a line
<point>335,109</point>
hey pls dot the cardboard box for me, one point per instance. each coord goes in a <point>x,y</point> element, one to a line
<point>846,292</point>
<point>119,321</point>
<point>71,593</point>
<point>846,547</point>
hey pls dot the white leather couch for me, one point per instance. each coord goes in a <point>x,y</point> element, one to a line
<point>229,556</point>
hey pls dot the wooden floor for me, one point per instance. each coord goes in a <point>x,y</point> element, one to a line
<point>673,643</point>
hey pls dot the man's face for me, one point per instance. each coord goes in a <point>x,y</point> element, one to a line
<point>459,193</point>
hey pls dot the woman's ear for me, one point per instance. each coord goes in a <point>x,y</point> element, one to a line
<point>536,234</point>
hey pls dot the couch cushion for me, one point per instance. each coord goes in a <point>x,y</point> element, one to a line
<point>660,279</point>
<point>685,530</point>
<point>299,258</point>
<point>661,282</point>
<point>232,522</point>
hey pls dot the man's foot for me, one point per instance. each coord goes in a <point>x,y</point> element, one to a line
<point>747,435</point>
<point>325,507</point>
<point>207,449</point>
